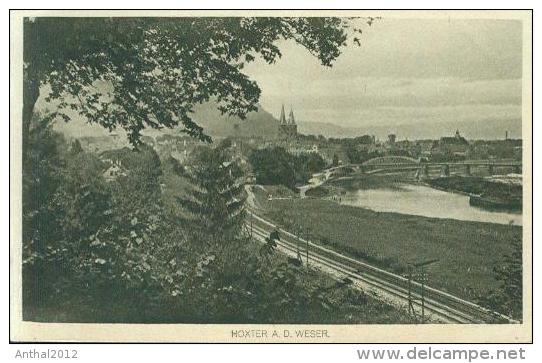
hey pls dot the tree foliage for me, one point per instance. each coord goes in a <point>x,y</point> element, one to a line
<point>357,156</point>
<point>275,166</point>
<point>142,72</point>
<point>215,206</point>
<point>508,298</point>
<point>41,179</point>
<point>335,160</point>
<point>81,232</point>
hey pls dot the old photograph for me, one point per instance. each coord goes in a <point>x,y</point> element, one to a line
<point>218,175</point>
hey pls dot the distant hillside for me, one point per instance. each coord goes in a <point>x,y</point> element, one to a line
<point>263,124</point>
<point>483,129</point>
<point>260,123</point>
<point>328,129</point>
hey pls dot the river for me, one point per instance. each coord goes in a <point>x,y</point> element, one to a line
<point>425,201</point>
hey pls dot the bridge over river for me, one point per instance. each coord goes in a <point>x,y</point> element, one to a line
<point>427,169</point>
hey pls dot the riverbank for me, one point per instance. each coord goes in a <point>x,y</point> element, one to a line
<point>477,186</point>
<point>484,193</point>
<point>392,241</point>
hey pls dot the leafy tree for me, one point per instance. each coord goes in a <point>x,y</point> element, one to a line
<point>80,232</point>
<point>309,163</point>
<point>139,188</point>
<point>41,179</point>
<point>176,167</point>
<point>508,299</point>
<point>365,139</point>
<point>150,72</point>
<point>65,201</point>
<point>335,160</point>
<point>215,206</point>
<point>82,201</point>
<point>76,147</point>
<point>273,166</point>
<point>356,156</point>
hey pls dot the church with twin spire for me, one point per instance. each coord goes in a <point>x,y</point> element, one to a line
<point>287,128</point>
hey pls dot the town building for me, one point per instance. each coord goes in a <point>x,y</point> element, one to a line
<point>391,139</point>
<point>114,170</point>
<point>456,145</point>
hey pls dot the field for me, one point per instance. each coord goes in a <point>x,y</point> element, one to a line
<point>467,251</point>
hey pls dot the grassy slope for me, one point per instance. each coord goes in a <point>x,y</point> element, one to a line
<point>468,251</point>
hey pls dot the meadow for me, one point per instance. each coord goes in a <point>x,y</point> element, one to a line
<point>467,251</point>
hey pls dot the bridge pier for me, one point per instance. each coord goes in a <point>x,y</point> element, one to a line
<point>422,172</point>
<point>467,170</point>
<point>445,171</point>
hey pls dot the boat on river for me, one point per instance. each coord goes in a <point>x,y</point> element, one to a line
<point>495,203</point>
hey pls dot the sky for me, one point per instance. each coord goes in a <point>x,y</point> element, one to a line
<point>407,71</point>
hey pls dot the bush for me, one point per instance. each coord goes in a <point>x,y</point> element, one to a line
<point>275,166</point>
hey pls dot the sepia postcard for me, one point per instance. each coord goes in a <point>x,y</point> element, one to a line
<point>271,176</point>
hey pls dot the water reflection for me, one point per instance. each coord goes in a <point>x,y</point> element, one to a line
<point>425,201</point>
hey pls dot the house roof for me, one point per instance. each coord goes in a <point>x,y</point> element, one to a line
<point>454,140</point>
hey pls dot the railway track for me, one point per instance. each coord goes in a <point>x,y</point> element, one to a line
<point>439,306</point>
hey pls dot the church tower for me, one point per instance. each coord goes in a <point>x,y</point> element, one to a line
<point>287,128</point>
<point>282,116</point>
<point>291,123</point>
<point>291,119</point>
<point>457,134</point>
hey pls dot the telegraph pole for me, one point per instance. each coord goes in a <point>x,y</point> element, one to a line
<point>251,224</point>
<point>423,277</point>
<point>410,305</point>
<point>298,244</point>
<point>307,251</point>
<point>307,245</point>
<point>423,295</point>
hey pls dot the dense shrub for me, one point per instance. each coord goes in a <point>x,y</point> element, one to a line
<point>276,166</point>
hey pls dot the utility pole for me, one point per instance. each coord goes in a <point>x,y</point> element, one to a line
<point>307,251</point>
<point>423,277</point>
<point>297,230</point>
<point>423,295</point>
<point>307,244</point>
<point>298,244</point>
<point>410,305</point>
<point>251,224</point>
